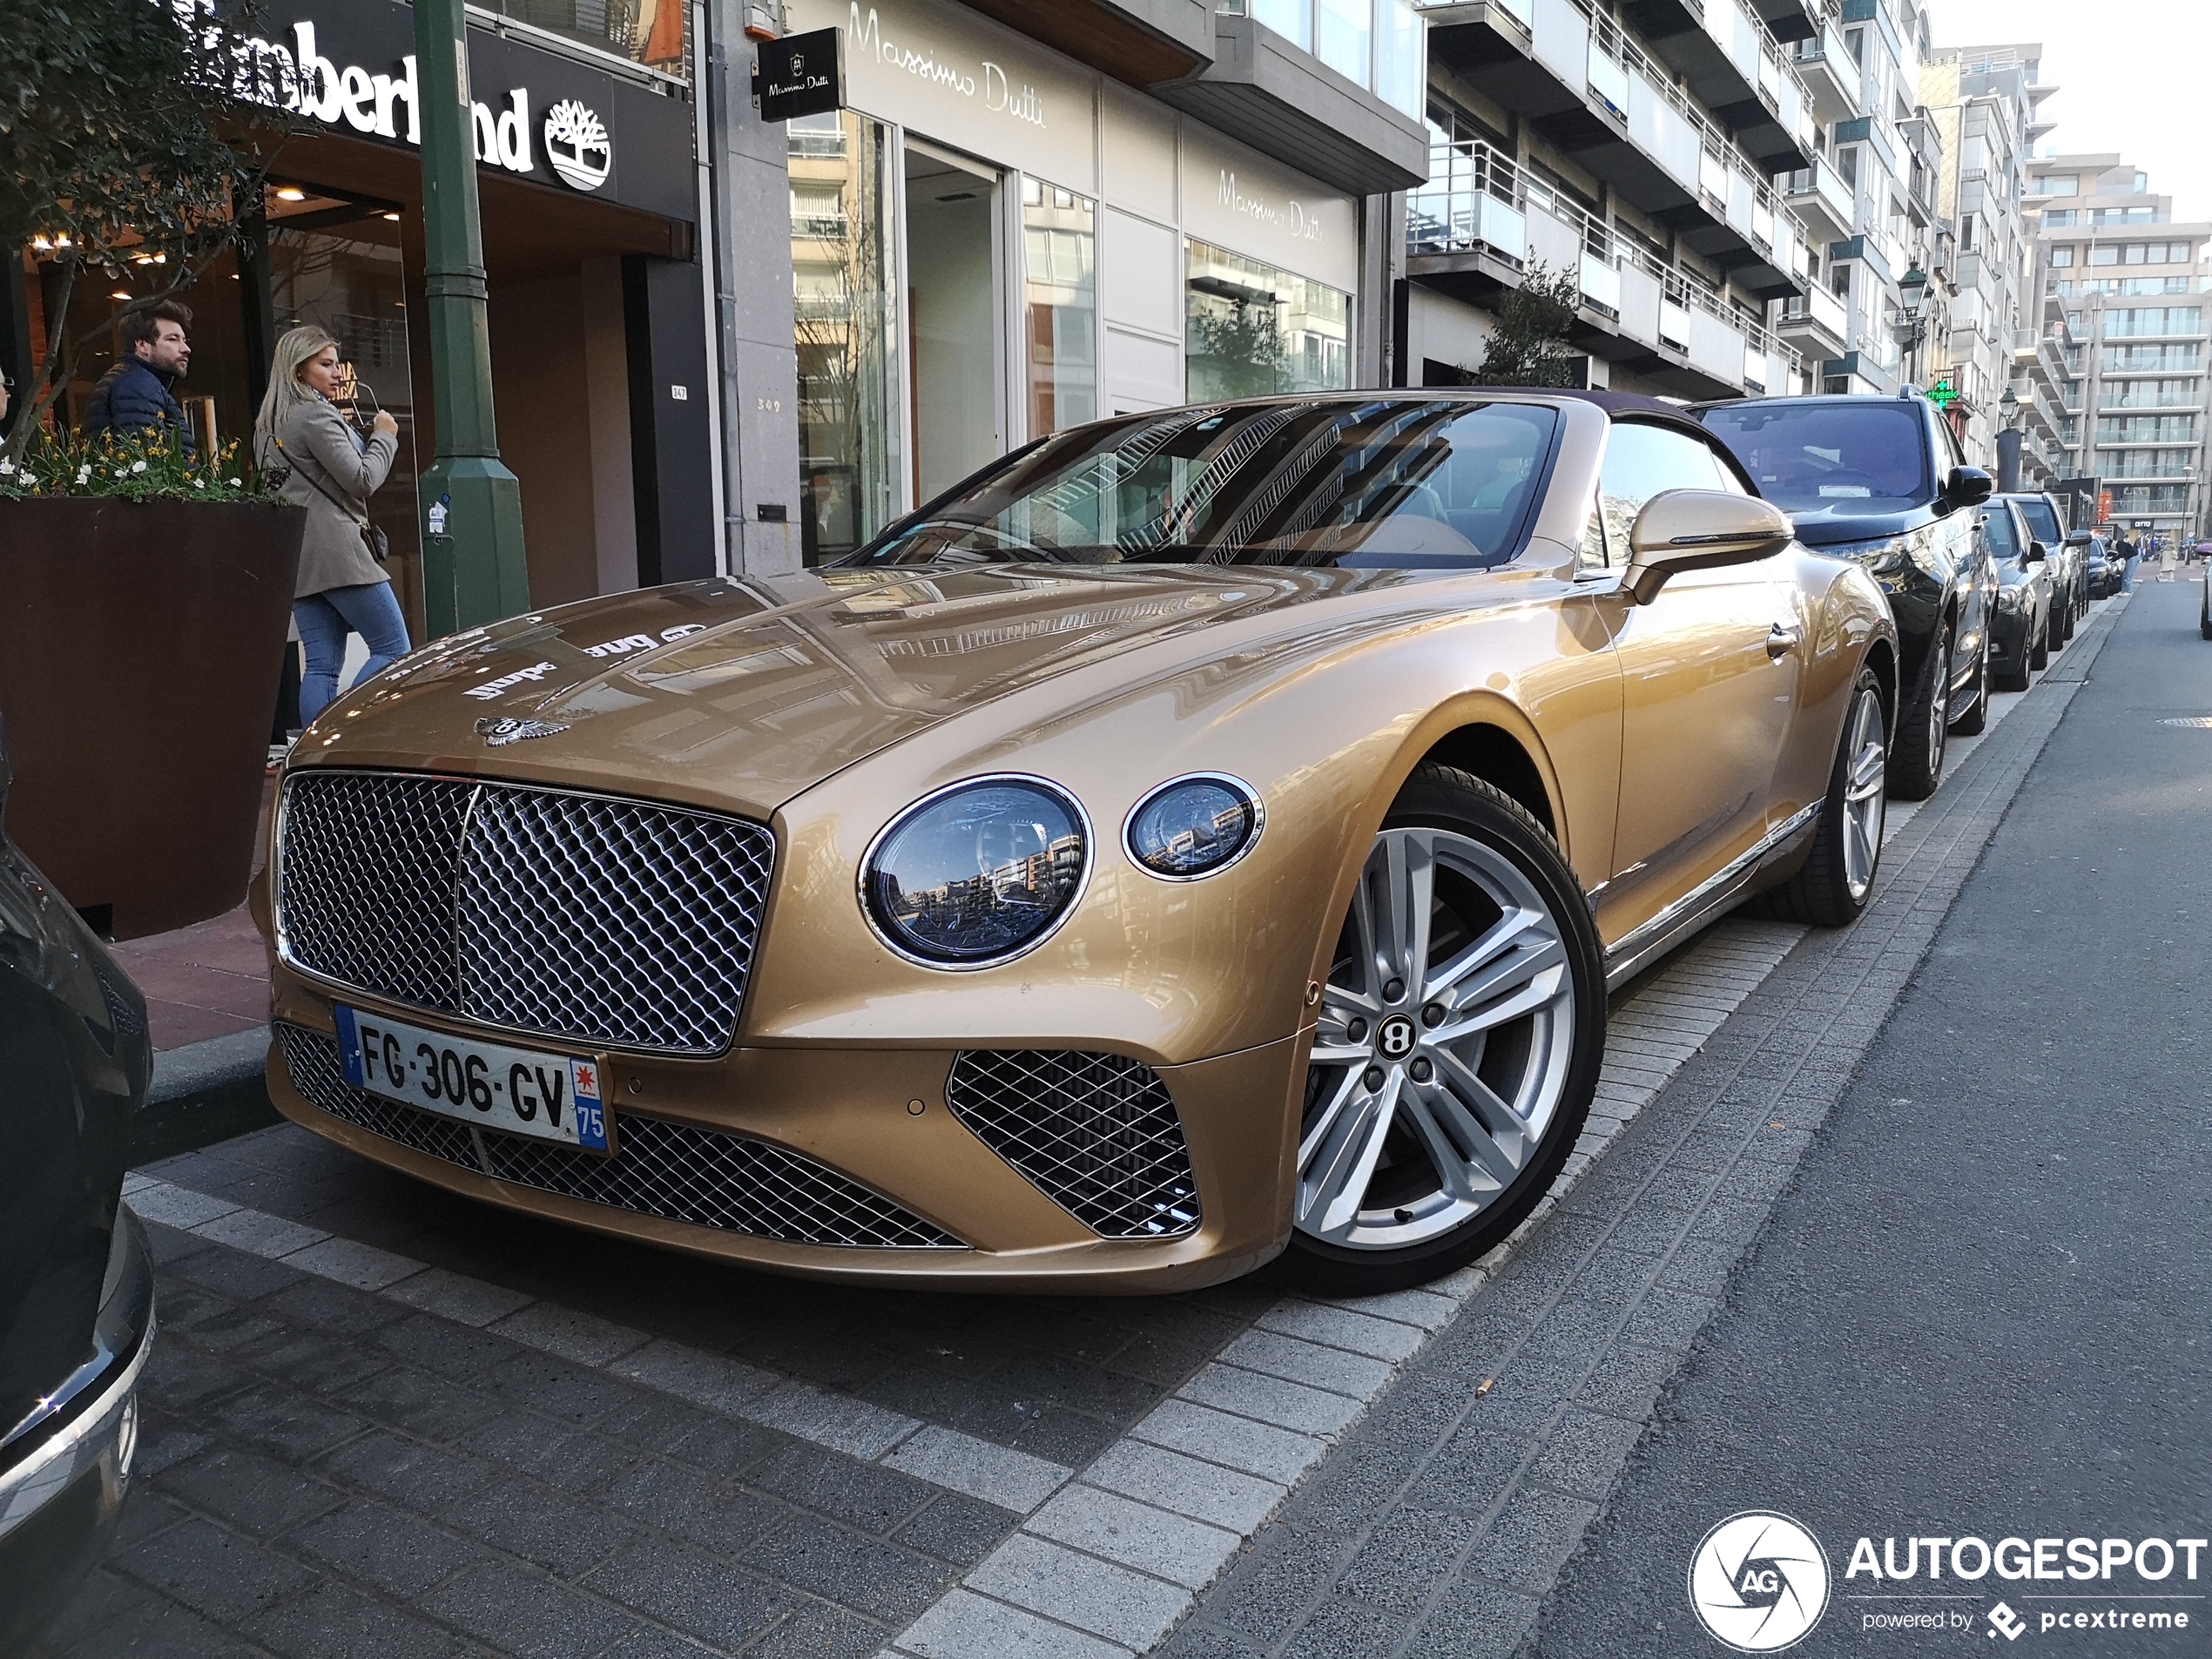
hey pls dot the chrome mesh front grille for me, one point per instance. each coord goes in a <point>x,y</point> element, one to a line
<point>588,919</point>
<point>703,1177</point>
<point>1096,1133</point>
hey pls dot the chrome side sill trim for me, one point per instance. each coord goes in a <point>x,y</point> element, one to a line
<point>1695,908</point>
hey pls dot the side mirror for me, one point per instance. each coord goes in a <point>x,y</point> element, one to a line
<point>2080,538</point>
<point>1968,487</point>
<point>1696,529</point>
<point>2035,554</point>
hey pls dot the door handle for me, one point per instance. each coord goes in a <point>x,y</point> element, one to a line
<point>1780,640</point>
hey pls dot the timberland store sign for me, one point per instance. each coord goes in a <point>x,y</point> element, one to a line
<point>945,73</point>
<point>350,65</point>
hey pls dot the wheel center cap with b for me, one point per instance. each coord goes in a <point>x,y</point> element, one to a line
<point>1394,1037</point>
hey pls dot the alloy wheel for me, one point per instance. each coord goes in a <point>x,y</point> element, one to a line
<point>1866,795</point>
<point>1443,1048</point>
<point>1940,709</point>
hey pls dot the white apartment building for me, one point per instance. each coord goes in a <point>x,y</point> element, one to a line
<point>1984,102</point>
<point>2124,314</point>
<point>1638,147</point>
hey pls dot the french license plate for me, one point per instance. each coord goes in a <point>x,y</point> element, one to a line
<point>520,1091</point>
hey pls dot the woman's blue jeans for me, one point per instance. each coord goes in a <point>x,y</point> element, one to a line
<point>326,618</point>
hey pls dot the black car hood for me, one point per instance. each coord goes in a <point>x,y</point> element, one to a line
<point>1831,526</point>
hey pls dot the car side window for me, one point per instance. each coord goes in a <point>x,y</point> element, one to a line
<point>1643,460</point>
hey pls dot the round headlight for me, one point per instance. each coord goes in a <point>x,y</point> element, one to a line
<point>1194,826</point>
<point>977,873</point>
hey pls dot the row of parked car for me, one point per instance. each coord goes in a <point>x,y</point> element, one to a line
<point>1981,598</point>
<point>1215,833</point>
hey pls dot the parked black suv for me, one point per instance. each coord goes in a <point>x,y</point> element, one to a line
<point>76,1274</point>
<point>1881,480</point>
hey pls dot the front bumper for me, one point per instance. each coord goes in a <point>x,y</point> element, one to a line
<point>827,1127</point>
<point>62,1491</point>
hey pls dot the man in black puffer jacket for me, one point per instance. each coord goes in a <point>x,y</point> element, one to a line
<point>134,395</point>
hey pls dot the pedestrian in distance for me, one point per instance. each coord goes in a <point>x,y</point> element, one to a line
<point>136,394</point>
<point>2166,558</point>
<point>331,468</point>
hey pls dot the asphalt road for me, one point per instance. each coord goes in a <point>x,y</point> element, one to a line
<point>1983,1309</point>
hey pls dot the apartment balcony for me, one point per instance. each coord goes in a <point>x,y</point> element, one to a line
<point>1816,323</point>
<point>1736,68</point>
<point>1478,228</point>
<point>1795,19</point>
<point>1137,41</point>
<point>1287,104</point>
<point>1587,87</point>
<point>1831,79</point>
<point>1819,197</point>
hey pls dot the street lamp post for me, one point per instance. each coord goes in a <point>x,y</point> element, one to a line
<point>473,566</point>
<point>1912,328</point>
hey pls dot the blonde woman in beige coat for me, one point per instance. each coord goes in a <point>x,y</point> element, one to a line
<point>333,471</point>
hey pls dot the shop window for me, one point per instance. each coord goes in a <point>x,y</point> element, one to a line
<point>1251,329</point>
<point>1060,243</point>
<point>844,313</point>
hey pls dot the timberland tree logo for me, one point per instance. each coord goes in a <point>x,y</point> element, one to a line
<point>1758,1581</point>
<point>577,146</point>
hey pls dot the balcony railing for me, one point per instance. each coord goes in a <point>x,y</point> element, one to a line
<point>1822,180</point>
<point>1478,200</point>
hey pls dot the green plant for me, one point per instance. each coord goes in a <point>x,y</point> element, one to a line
<point>142,466</point>
<point>133,134</point>
<point>1530,346</point>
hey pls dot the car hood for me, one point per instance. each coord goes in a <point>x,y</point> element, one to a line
<point>1819,527</point>
<point>743,694</point>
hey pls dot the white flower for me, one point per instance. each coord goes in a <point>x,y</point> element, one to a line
<point>200,484</point>
<point>6,467</point>
<point>30,483</point>
<point>85,474</point>
<point>138,466</point>
<point>236,482</point>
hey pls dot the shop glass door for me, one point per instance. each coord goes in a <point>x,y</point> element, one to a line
<point>846,310</point>
<point>955,410</point>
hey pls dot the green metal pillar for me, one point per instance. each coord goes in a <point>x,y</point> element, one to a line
<point>474,569</point>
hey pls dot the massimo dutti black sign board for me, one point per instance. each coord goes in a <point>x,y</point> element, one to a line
<point>540,117</point>
<point>800,75</point>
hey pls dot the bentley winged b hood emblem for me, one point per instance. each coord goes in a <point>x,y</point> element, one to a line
<point>498,733</point>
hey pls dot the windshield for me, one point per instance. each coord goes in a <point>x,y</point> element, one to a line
<point>1359,483</point>
<point>1868,456</point>
<point>2042,522</point>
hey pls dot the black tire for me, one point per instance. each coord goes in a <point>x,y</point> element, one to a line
<point>2063,619</point>
<point>1976,719</point>
<point>2014,679</point>
<point>2039,655</point>
<point>2204,617</point>
<point>1444,798</point>
<point>1821,893</point>
<point>1917,741</point>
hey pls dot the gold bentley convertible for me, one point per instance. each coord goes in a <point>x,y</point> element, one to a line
<point>1204,836</point>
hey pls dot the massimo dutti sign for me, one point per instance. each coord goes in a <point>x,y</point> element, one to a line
<point>538,116</point>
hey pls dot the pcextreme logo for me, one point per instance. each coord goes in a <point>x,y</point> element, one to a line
<point>1759,1581</point>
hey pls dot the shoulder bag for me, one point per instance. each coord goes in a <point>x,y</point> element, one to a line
<point>378,543</point>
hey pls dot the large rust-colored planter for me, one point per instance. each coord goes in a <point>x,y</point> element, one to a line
<point>140,647</point>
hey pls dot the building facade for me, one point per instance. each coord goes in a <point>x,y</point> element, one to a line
<point>2124,311</point>
<point>1984,104</point>
<point>1634,152</point>
<point>1025,217</point>
<point>590,196</point>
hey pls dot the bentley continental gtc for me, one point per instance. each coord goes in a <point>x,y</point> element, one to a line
<point>1205,836</point>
